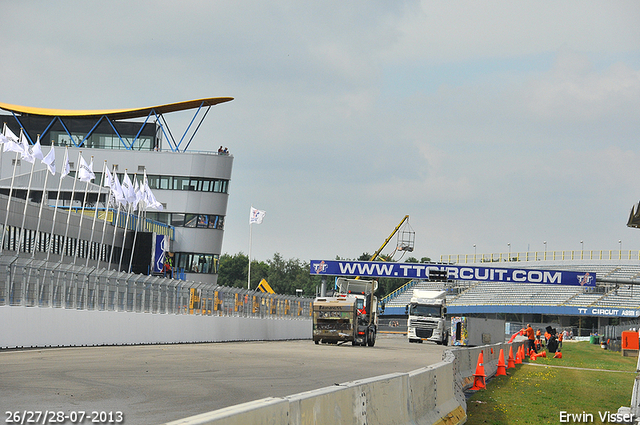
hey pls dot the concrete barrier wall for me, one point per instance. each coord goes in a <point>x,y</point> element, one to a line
<point>44,327</point>
<point>431,395</point>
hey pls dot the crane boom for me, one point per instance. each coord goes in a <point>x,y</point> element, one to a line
<point>375,254</point>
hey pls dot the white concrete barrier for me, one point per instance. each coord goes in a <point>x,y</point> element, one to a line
<point>431,395</point>
<point>59,327</point>
<point>421,397</point>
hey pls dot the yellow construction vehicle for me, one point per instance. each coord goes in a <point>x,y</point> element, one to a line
<point>263,286</point>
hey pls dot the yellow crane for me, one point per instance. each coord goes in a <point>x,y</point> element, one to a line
<point>405,244</point>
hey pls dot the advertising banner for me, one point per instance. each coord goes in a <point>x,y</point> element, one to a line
<point>454,272</point>
<point>160,248</point>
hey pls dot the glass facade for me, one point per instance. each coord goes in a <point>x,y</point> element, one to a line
<point>102,141</point>
<point>197,263</point>
<point>201,221</point>
<point>197,184</point>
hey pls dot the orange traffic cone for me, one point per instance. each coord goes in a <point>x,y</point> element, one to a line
<point>502,368</point>
<point>542,354</point>
<point>533,357</point>
<point>478,377</point>
<point>510,361</point>
<point>558,355</point>
<point>519,355</point>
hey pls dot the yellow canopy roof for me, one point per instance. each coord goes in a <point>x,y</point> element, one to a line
<point>116,114</point>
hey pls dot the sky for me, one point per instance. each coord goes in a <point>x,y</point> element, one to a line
<point>496,126</point>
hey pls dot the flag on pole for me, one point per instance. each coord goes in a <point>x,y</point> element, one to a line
<point>66,169</point>
<point>10,134</point>
<point>151,200</point>
<point>36,150</point>
<point>26,151</point>
<point>127,189</point>
<point>117,192</point>
<point>85,171</point>
<point>108,178</point>
<point>256,216</point>
<point>50,161</point>
<point>139,194</point>
<point>12,145</point>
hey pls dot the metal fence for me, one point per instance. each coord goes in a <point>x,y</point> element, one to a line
<point>36,283</point>
<point>541,256</point>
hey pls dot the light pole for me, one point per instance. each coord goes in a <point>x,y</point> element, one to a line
<point>545,249</point>
<point>509,245</point>
<point>581,249</point>
<point>620,245</point>
<point>474,253</point>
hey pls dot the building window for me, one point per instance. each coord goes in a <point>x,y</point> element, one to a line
<point>197,263</point>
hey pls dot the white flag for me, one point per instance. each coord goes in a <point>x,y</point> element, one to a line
<point>50,161</point>
<point>256,216</point>
<point>108,178</point>
<point>26,152</point>
<point>85,171</point>
<point>10,134</point>
<point>66,169</point>
<point>12,145</point>
<point>139,195</point>
<point>36,150</point>
<point>116,189</point>
<point>127,189</point>
<point>151,200</point>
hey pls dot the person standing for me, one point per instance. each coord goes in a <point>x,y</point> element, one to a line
<point>531,337</point>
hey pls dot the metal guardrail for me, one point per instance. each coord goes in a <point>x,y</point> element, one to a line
<point>387,298</point>
<point>36,283</point>
<point>541,256</point>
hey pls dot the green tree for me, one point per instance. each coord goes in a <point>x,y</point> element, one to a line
<point>233,270</point>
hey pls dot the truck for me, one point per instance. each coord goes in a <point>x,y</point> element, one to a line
<point>349,315</point>
<point>427,317</point>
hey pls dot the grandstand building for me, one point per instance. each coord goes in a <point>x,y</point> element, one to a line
<point>193,187</point>
<point>614,299</point>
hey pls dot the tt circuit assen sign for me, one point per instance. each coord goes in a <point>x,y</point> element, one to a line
<point>454,272</point>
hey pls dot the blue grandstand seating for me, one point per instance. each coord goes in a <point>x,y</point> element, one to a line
<point>605,295</point>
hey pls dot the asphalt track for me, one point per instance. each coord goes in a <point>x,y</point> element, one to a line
<point>153,384</point>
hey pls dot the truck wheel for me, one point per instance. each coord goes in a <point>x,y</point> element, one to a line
<point>372,338</point>
<point>317,341</point>
<point>445,342</point>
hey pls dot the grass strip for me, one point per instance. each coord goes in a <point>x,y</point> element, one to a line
<point>538,394</point>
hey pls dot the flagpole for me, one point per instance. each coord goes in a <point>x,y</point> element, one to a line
<point>84,201</point>
<point>95,215</point>
<point>6,218</point>
<point>44,191</point>
<point>249,273</point>
<point>106,213</point>
<point>126,223</point>
<point>124,236</point>
<point>135,234</point>
<point>73,191</point>
<point>4,133</point>
<point>115,228</point>
<point>55,211</point>
<point>26,204</point>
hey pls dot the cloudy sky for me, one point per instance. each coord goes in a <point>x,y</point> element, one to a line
<point>488,123</point>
